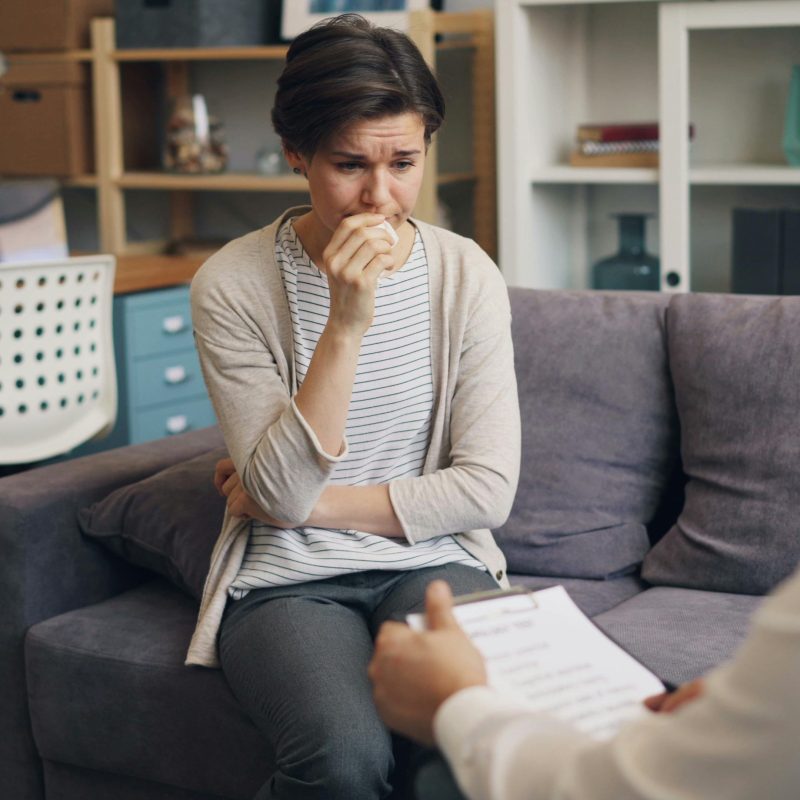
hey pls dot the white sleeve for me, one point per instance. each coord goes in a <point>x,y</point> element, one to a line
<point>498,751</point>
<point>739,741</point>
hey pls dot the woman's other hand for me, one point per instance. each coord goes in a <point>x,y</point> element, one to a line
<point>240,504</point>
<point>222,471</point>
<point>356,255</point>
<point>671,701</point>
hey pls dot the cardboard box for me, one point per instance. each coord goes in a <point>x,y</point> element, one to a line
<point>33,25</point>
<point>45,108</point>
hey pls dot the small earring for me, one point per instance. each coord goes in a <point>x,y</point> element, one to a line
<point>296,170</point>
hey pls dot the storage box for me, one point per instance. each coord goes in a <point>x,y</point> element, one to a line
<point>45,108</point>
<point>49,24</point>
<point>196,23</point>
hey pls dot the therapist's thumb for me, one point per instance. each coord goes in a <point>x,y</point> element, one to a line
<point>439,606</point>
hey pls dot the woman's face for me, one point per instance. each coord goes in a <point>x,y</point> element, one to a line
<point>375,165</point>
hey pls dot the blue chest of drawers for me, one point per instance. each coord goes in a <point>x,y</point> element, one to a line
<point>161,389</point>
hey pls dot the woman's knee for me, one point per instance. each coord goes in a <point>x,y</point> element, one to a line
<point>346,764</point>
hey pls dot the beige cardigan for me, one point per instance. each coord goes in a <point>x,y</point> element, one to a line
<point>243,333</point>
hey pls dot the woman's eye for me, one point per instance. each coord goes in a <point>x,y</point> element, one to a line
<point>349,166</point>
<point>404,165</point>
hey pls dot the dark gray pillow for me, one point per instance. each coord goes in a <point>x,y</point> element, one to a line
<point>736,366</point>
<point>599,431</point>
<point>167,523</point>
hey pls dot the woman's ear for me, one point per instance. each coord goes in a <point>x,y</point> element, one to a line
<point>295,161</point>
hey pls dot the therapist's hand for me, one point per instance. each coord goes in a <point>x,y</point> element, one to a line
<point>414,672</point>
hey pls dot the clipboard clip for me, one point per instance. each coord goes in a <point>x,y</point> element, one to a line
<point>495,594</point>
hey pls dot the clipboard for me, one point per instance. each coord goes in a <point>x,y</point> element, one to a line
<point>542,650</point>
<point>491,594</point>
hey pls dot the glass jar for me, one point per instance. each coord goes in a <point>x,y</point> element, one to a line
<point>195,140</point>
<point>632,268</point>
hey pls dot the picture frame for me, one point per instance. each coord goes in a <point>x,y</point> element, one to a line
<point>299,15</point>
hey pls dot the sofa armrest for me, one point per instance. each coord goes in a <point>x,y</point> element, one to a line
<point>47,567</point>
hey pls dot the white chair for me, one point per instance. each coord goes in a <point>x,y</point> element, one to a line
<point>58,385</point>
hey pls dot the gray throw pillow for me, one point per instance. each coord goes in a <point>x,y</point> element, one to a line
<point>599,431</point>
<point>735,362</point>
<point>167,523</point>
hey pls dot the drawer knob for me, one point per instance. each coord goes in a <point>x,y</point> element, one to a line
<point>177,424</point>
<point>174,324</point>
<point>177,374</point>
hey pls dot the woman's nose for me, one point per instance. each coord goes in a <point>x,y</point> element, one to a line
<point>376,192</point>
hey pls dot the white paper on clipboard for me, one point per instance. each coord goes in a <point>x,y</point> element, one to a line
<point>540,647</point>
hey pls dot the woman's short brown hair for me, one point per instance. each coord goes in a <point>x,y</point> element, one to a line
<point>345,70</point>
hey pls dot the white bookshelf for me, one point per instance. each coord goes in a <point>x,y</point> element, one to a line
<point>725,66</point>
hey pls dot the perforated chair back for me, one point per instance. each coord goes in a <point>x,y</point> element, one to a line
<point>58,385</point>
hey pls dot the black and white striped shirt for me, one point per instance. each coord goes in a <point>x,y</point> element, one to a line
<point>388,425</point>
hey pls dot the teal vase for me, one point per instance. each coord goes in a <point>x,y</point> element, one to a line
<point>791,130</point>
<point>632,268</point>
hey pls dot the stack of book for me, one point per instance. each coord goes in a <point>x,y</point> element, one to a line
<point>617,145</point>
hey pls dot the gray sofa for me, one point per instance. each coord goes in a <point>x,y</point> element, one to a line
<point>659,485</point>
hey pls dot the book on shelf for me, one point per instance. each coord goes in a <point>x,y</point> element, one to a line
<point>765,252</point>
<point>540,647</point>
<point>790,266</point>
<point>756,251</point>
<point>606,148</point>
<point>621,131</point>
<point>645,159</point>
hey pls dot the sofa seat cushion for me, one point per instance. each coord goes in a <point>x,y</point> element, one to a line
<point>591,596</point>
<point>680,634</point>
<point>599,431</point>
<point>66,782</point>
<point>108,691</point>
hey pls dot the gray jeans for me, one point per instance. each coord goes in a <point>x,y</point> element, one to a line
<point>296,658</point>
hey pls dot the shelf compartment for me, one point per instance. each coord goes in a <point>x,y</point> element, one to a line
<point>561,65</point>
<point>263,53</point>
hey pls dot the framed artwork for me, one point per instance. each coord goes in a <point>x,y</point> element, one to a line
<point>299,15</point>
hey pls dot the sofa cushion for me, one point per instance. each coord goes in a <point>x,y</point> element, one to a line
<point>591,596</point>
<point>599,431</point>
<point>736,370</point>
<point>108,691</point>
<point>74,783</point>
<point>680,633</point>
<point>168,522</point>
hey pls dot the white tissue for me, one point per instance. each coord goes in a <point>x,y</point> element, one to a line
<point>395,239</point>
<point>390,230</point>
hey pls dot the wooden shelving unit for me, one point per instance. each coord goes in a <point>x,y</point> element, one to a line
<point>432,32</point>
